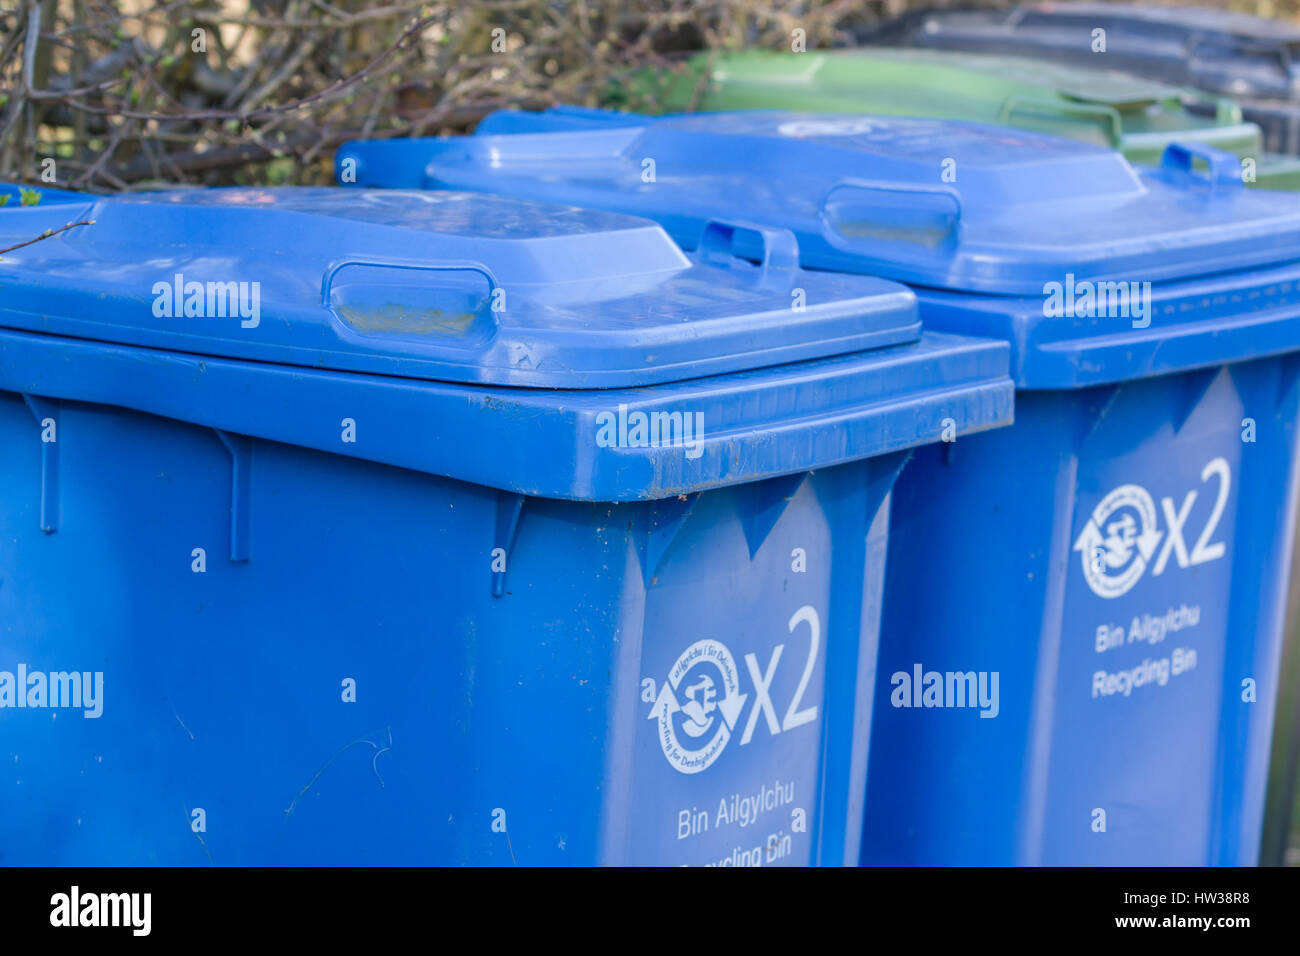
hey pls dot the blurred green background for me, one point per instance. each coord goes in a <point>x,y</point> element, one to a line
<point>132,94</point>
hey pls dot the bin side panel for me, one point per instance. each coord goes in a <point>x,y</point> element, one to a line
<point>1261,572</point>
<point>966,593</point>
<point>727,725</point>
<point>1139,705</point>
<point>309,701</point>
<point>1127,581</point>
<point>354,683</point>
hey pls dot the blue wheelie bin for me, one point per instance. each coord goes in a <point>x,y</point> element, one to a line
<point>382,527</point>
<point>1079,647</point>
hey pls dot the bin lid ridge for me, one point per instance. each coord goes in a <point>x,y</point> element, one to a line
<point>1095,85</point>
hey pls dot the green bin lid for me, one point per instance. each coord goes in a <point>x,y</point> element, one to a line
<point>1137,116</point>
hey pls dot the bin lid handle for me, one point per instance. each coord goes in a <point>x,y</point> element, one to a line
<point>466,265</point>
<point>1227,111</point>
<point>897,217</point>
<point>1224,167</point>
<point>778,248</point>
<point>1112,125</point>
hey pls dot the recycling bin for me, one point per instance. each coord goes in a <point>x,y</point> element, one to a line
<point>383,527</point>
<point>1136,116</point>
<point>1249,58</point>
<point>1082,613</point>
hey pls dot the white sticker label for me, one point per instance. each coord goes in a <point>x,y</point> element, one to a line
<point>708,713</point>
<point>1123,536</point>
<point>699,706</point>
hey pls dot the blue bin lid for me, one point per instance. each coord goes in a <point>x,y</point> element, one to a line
<point>554,120</point>
<point>868,194</point>
<point>448,286</point>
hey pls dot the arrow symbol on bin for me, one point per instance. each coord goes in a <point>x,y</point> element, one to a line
<point>731,706</point>
<point>1089,539</point>
<point>1147,541</point>
<point>666,704</point>
<point>1108,538</point>
<point>706,734</point>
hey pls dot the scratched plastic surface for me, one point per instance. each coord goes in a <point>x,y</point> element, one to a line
<point>1118,559</point>
<point>353,618</point>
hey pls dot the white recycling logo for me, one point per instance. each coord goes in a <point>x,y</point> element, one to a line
<point>1118,541</point>
<point>702,699</point>
<point>698,708</point>
<point>1122,538</point>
